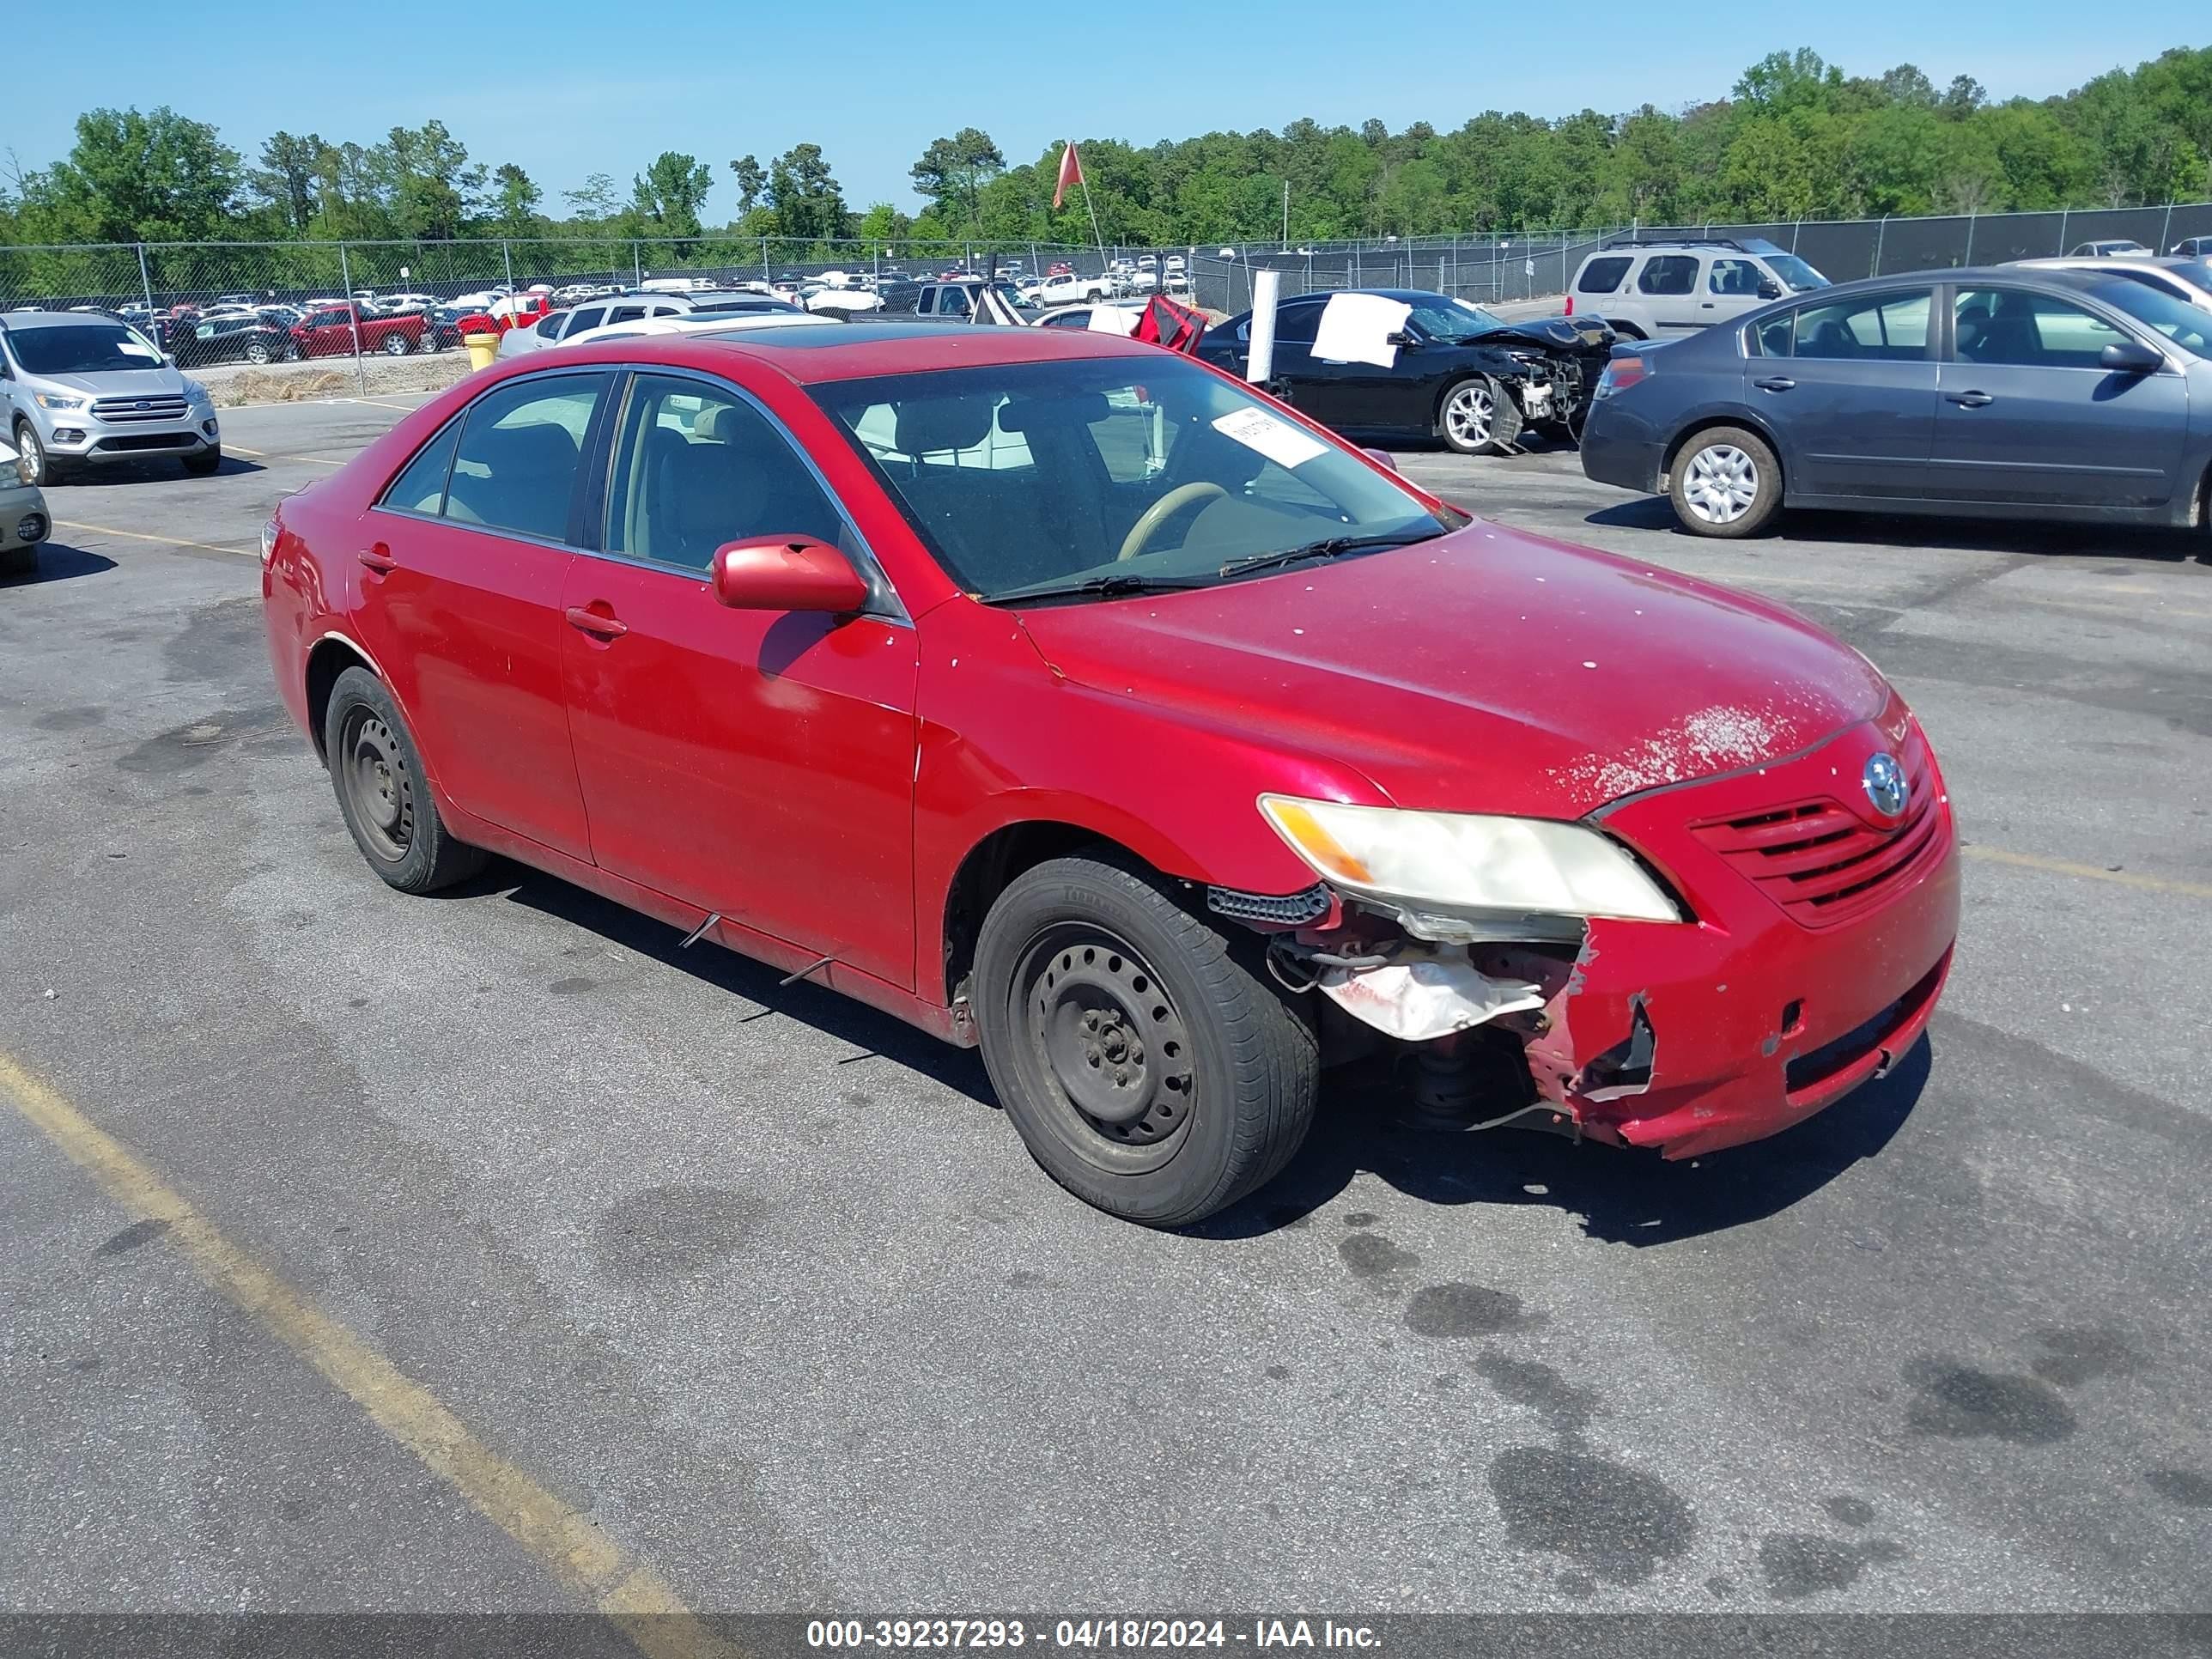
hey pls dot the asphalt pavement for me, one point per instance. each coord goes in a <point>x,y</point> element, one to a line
<point>759,1290</point>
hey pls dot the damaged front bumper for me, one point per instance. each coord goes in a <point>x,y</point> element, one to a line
<point>1822,938</point>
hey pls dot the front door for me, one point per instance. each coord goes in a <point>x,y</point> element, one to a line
<point>757,763</point>
<point>460,599</point>
<point>2028,413</point>
<point>1850,391</point>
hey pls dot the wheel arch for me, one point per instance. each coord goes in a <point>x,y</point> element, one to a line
<point>330,657</point>
<point>989,867</point>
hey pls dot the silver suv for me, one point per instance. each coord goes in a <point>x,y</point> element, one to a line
<point>1648,289</point>
<point>78,390</point>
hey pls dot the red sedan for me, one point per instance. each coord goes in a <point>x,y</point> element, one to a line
<point>1067,696</point>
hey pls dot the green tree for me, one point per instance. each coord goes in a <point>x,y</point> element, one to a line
<point>752,183</point>
<point>515,200</point>
<point>808,201</point>
<point>286,178</point>
<point>668,195</point>
<point>952,172</point>
<point>134,177</point>
<point>430,188</point>
<point>594,202</point>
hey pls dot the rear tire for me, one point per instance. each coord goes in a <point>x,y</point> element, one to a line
<point>1148,1062</point>
<point>1725,483</point>
<point>395,344</point>
<point>384,795</point>
<point>1627,331</point>
<point>257,353</point>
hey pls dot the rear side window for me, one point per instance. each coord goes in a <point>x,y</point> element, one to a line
<point>1668,273</point>
<point>1295,324</point>
<point>587,317</point>
<point>422,487</point>
<point>1887,327</point>
<point>626,313</point>
<point>515,467</point>
<point>1603,276</point>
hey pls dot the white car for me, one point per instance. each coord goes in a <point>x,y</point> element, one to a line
<point>696,322</point>
<point>1077,289</point>
<point>2187,280</point>
<point>1112,317</point>
<point>845,300</point>
<point>396,302</point>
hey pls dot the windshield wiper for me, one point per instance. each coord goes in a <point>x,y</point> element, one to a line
<point>1102,587</point>
<point>1333,548</point>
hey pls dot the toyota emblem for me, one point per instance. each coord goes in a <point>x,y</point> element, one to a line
<point>1883,780</point>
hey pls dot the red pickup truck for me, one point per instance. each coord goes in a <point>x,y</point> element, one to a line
<point>330,332</point>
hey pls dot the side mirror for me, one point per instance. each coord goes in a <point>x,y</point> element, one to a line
<point>1403,340</point>
<point>2129,357</point>
<point>1381,458</point>
<point>787,573</point>
<point>1769,288</point>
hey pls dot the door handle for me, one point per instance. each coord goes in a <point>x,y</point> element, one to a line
<point>1775,383</point>
<point>596,622</point>
<point>379,559</point>
<point>1971,399</point>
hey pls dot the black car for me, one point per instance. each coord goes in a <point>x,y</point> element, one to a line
<point>441,327</point>
<point>2012,392</point>
<point>232,340</point>
<point>1461,373</point>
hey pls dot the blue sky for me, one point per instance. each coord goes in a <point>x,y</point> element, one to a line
<point>594,88</point>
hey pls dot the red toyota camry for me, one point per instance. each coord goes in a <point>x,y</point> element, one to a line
<point>1063,695</point>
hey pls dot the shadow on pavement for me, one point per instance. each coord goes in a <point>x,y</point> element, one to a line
<point>56,562</point>
<point>1619,1195</point>
<point>2147,544</point>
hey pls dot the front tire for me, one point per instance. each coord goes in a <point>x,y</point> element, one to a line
<point>383,795</point>
<point>1725,483</point>
<point>1478,417</point>
<point>257,353</point>
<point>204,465</point>
<point>1147,1061</point>
<point>43,469</point>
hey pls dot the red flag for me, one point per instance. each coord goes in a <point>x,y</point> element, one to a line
<point>1071,172</point>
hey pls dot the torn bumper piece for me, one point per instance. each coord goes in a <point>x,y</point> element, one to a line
<point>1425,992</point>
<point>1694,1043</point>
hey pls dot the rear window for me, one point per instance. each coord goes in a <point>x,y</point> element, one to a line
<point>1669,273</point>
<point>1603,276</point>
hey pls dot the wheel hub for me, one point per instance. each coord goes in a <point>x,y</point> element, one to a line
<point>1110,1039</point>
<point>377,782</point>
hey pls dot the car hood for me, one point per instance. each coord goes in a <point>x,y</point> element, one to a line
<point>1485,670</point>
<point>1575,335</point>
<point>122,382</point>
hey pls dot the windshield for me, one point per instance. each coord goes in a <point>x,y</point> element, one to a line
<point>1127,471</point>
<point>2180,322</point>
<point>2197,273</point>
<point>1796,275</point>
<point>91,349</point>
<point>1452,319</point>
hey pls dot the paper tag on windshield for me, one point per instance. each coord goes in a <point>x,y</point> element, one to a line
<point>1278,440</point>
<point>134,349</point>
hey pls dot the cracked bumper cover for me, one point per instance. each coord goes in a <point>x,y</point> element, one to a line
<point>1693,1038</point>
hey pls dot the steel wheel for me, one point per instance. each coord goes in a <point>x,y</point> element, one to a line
<point>1721,484</point>
<point>1471,415</point>
<point>1108,1042</point>
<point>379,786</point>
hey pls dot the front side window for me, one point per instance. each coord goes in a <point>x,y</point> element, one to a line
<point>1603,276</point>
<point>2020,330</point>
<point>696,467</point>
<point>1892,327</point>
<point>1668,273</point>
<point>1297,325</point>
<point>1738,278</point>
<point>515,467</point>
<point>2187,326</point>
<point>1031,480</point>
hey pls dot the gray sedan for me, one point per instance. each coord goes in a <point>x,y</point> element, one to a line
<point>2008,392</point>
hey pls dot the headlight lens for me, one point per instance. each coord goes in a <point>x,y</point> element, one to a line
<point>1530,866</point>
<point>270,532</point>
<point>55,400</point>
<point>197,393</point>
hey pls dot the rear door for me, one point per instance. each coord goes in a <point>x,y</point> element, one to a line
<point>1668,286</point>
<point>460,601</point>
<point>1848,388</point>
<point>2027,414</point>
<point>755,763</point>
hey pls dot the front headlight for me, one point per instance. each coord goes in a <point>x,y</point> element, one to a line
<point>1524,866</point>
<point>58,403</point>
<point>197,393</point>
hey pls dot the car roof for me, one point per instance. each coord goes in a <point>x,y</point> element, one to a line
<point>816,353</point>
<point>67,318</point>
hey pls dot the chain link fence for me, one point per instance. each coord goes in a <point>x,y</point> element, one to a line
<point>216,304</point>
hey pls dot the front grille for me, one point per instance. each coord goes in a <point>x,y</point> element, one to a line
<point>121,411</point>
<point>146,440</point>
<point>1824,863</point>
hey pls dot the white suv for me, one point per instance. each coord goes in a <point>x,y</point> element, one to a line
<point>1651,289</point>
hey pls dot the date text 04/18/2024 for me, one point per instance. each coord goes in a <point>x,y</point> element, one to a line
<point>1112,1635</point>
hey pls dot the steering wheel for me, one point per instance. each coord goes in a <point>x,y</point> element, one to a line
<point>1161,511</point>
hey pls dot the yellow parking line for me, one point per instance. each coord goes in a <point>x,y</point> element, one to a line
<point>265,455</point>
<point>2089,871</point>
<point>626,1591</point>
<point>162,541</point>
